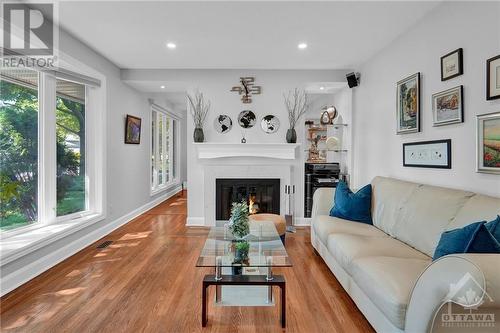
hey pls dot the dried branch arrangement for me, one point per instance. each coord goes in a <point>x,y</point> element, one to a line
<point>296,105</point>
<point>199,108</point>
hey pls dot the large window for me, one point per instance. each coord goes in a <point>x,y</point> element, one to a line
<point>163,148</point>
<point>45,175</point>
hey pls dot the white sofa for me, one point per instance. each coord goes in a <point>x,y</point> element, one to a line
<point>387,267</point>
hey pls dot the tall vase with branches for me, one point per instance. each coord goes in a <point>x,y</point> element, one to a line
<point>199,108</point>
<point>296,106</point>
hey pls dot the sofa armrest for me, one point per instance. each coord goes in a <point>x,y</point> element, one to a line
<point>322,201</point>
<point>448,278</point>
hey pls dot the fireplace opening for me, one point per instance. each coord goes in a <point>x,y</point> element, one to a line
<point>261,195</point>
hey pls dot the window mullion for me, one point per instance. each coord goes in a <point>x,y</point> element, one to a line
<point>171,150</point>
<point>164,149</point>
<point>47,152</point>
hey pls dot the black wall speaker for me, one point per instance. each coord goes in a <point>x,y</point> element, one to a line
<point>352,79</point>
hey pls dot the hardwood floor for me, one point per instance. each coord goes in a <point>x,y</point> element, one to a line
<point>146,281</point>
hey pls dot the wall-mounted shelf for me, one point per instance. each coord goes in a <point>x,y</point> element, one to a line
<point>333,150</point>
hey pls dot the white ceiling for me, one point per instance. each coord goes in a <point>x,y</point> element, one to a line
<point>242,34</point>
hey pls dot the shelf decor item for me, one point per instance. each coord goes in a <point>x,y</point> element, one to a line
<point>408,105</point>
<point>493,78</point>
<point>428,154</point>
<point>223,124</point>
<point>238,223</point>
<point>132,130</point>
<point>452,65</point>
<point>247,119</point>
<point>296,106</point>
<point>270,124</point>
<point>448,107</point>
<point>329,113</point>
<point>199,108</point>
<point>488,143</point>
<point>332,143</point>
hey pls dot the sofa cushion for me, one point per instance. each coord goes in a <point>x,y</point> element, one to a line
<point>477,208</point>
<point>347,247</point>
<point>388,196</point>
<point>353,206</point>
<point>325,225</point>
<point>426,214</point>
<point>388,282</point>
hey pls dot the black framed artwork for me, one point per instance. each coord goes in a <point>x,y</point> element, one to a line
<point>452,65</point>
<point>427,154</point>
<point>493,78</point>
<point>132,130</point>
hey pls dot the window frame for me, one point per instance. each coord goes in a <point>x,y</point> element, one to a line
<point>174,134</point>
<point>95,180</point>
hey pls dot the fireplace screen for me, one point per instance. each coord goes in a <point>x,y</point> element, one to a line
<point>262,196</point>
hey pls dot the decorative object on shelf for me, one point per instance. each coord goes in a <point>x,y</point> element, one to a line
<point>238,223</point>
<point>488,141</point>
<point>247,89</point>
<point>296,106</point>
<point>452,65</point>
<point>132,130</point>
<point>199,108</point>
<point>309,123</point>
<point>247,119</point>
<point>223,123</point>
<point>428,154</point>
<point>270,124</point>
<point>332,143</point>
<point>243,140</point>
<point>329,113</point>
<point>408,105</point>
<point>448,107</point>
<point>493,78</point>
<point>314,153</point>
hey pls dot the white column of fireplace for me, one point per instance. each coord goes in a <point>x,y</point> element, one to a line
<point>219,161</point>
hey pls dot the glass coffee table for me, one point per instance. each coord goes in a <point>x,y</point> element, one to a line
<point>243,264</point>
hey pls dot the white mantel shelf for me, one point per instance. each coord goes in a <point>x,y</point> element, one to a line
<point>211,150</point>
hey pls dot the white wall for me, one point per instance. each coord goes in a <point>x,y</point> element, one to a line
<point>474,26</point>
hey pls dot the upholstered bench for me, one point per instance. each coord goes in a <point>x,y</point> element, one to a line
<point>278,220</point>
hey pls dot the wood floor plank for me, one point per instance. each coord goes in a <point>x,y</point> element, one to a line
<point>146,281</point>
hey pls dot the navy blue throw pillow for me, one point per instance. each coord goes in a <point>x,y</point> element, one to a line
<point>352,206</point>
<point>473,238</point>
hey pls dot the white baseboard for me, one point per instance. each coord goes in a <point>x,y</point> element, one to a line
<point>195,222</point>
<point>28,272</point>
<point>302,221</point>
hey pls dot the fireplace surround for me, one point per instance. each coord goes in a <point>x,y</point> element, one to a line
<point>261,194</point>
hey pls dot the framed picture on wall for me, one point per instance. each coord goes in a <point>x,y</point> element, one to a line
<point>408,105</point>
<point>448,107</point>
<point>488,143</point>
<point>452,65</point>
<point>428,154</point>
<point>132,130</point>
<point>493,78</point>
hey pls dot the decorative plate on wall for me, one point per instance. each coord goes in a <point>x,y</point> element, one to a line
<point>247,119</point>
<point>223,123</point>
<point>270,124</point>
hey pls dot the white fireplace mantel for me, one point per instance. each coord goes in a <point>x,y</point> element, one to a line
<point>211,150</point>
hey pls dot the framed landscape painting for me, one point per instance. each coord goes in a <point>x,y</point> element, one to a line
<point>133,130</point>
<point>488,143</point>
<point>408,105</point>
<point>428,154</point>
<point>493,78</point>
<point>452,65</point>
<point>448,107</point>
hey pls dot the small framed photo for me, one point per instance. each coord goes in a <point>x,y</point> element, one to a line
<point>408,105</point>
<point>448,107</point>
<point>428,154</point>
<point>488,143</point>
<point>493,78</point>
<point>132,130</point>
<point>452,65</point>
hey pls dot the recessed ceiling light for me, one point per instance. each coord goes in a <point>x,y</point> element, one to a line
<point>321,88</point>
<point>171,46</point>
<point>302,46</point>
<point>162,87</point>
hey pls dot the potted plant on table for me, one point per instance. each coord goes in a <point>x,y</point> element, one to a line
<point>296,106</point>
<point>199,108</point>
<point>238,223</point>
<point>241,249</point>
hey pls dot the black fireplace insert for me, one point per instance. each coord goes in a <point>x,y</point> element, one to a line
<point>262,195</point>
